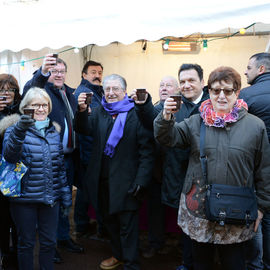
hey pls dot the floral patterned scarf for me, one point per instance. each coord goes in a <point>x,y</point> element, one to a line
<point>215,119</point>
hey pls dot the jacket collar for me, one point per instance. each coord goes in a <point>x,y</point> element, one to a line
<point>95,88</point>
<point>205,96</point>
<point>262,77</point>
<point>56,90</point>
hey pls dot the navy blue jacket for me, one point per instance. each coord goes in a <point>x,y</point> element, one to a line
<point>85,142</point>
<point>257,97</point>
<point>45,180</point>
<point>175,160</point>
<point>58,112</point>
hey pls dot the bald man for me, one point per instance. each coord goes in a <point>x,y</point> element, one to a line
<point>172,169</point>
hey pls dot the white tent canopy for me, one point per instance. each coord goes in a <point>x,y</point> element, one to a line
<point>35,24</point>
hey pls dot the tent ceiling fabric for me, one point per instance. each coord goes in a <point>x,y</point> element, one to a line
<point>58,23</point>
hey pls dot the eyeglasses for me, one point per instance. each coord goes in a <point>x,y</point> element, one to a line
<point>114,89</point>
<point>227,92</point>
<point>2,91</point>
<point>38,106</point>
<point>60,72</point>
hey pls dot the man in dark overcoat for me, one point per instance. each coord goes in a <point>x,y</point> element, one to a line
<point>119,168</point>
<point>257,97</point>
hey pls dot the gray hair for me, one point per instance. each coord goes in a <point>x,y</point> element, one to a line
<point>32,93</point>
<point>173,79</point>
<point>121,80</point>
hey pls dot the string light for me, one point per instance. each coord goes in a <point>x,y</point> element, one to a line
<point>166,44</point>
<point>206,41</point>
<point>242,31</point>
<point>22,65</point>
<point>205,45</point>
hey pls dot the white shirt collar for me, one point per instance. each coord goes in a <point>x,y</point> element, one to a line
<point>196,101</point>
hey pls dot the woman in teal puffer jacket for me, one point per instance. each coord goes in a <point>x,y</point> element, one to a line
<point>36,142</point>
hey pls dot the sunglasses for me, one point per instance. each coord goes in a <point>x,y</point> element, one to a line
<point>227,92</point>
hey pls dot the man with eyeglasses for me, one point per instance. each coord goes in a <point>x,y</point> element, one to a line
<point>91,82</point>
<point>176,160</point>
<point>51,76</point>
<point>257,97</point>
<point>120,165</point>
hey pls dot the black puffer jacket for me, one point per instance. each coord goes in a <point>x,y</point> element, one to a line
<point>257,97</point>
<point>45,181</point>
<point>175,160</point>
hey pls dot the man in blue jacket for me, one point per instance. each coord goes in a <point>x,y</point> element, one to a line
<point>257,97</point>
<point>91,82</point>
<point>51,76</point>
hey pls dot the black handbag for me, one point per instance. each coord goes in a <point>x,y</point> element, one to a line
<point>227,204</point>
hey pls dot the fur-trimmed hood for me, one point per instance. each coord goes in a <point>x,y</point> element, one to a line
<point>8,121</point>
<point>12,119</point>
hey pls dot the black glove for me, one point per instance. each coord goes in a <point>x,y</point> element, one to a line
<point>135,188</point>
<point>25,122</point>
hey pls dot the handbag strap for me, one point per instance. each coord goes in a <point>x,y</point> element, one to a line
<point>203,157</point>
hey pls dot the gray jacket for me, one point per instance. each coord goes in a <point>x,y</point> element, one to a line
<point>236,155</point>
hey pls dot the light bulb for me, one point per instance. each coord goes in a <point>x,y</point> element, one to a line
<point>76,50</point>
<point>166,44</point>
<point>22,65</point>
<point>242,31</point>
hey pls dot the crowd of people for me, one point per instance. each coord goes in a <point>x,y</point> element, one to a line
<point>121,151</point>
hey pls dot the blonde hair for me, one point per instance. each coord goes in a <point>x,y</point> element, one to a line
<point>32,93</point>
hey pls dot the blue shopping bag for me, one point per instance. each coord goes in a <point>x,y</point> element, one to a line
<point>10,177</point>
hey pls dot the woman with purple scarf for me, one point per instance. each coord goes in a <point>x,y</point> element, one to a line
<point>119,168</point>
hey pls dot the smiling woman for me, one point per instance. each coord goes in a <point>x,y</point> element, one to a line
<point>39,100</point>
<point>37,143</point>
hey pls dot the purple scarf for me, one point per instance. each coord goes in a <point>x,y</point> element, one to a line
<point>121,108</point>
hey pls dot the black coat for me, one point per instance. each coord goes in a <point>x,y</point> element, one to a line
<point>131,163</point>
<point>175,161</point>
<point>257,97</point>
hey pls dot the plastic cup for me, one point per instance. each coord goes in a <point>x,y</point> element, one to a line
<point>141,93</point>
<point>29,111</point>
<point>88,98</point>
<point>177,99</point>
